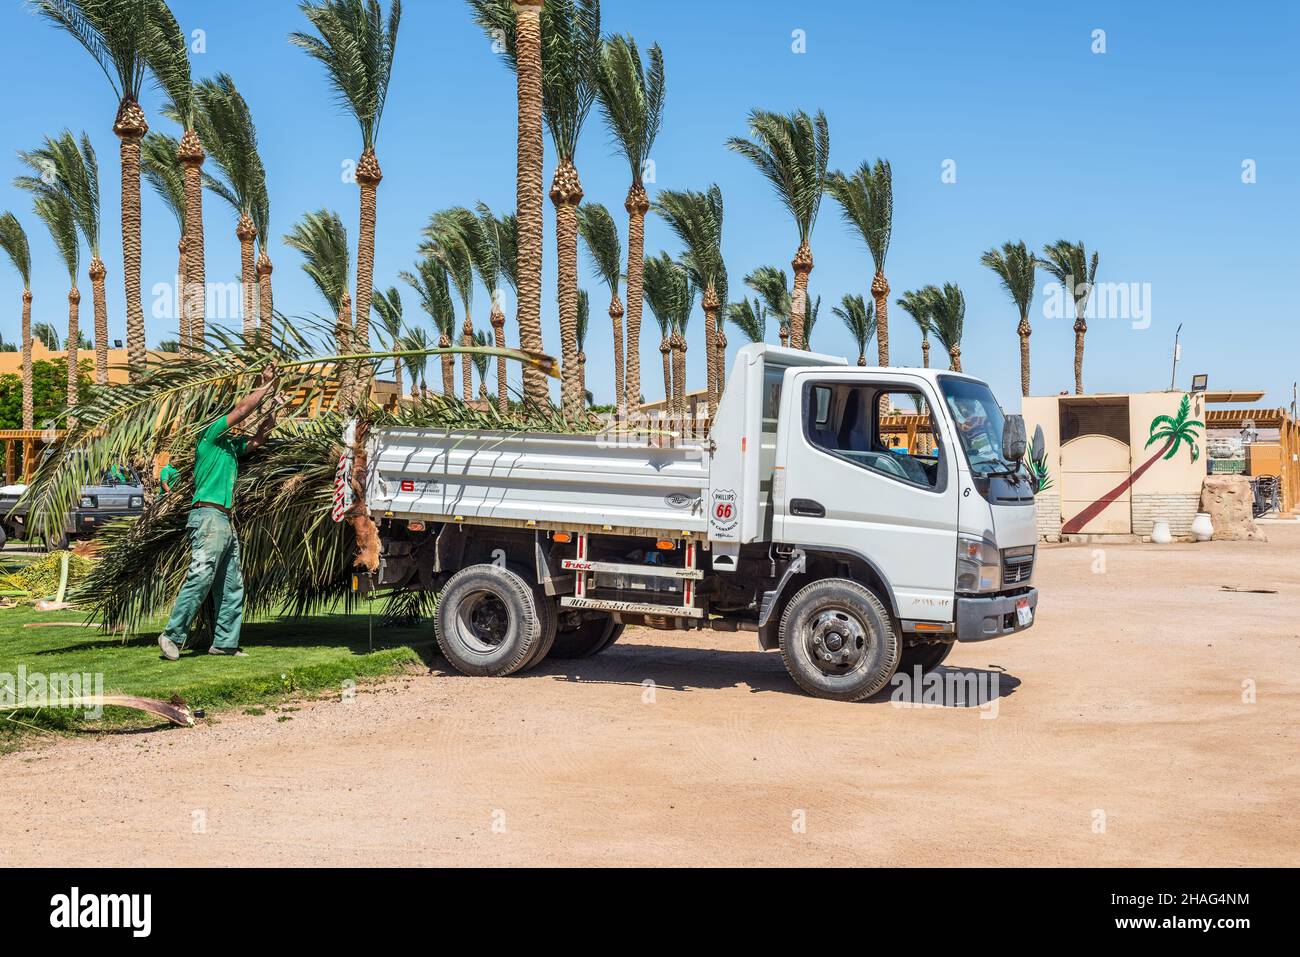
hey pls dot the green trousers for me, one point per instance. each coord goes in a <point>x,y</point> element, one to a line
<point>214,569</point>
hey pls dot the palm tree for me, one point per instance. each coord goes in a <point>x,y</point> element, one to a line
<point>323,241</point>
<point>481,362</point>
<point>948,313</point>
<point>61,166</point>
<point>519,24</point>
<point>168,56</point>
<point>388,306</point>
<point>117,33</point>
<point>431,284</point>
<point>859,318</point>
<point>867,203</point>
<point>161,167</point>
<point>697,220</point>
<point>750,316</point>
<point>685,299</point>
<point>1015,266</point>
<point>580,333</point>
<point>449,238</point>
<point>13,239</point>
<point>773,289</point>
<point>56,211</point>
<point>667,290</point>
<point>47,335</point>
<point>1173,431</point>
<point>1069,264</point>
<point>810,320</point>
<point>916,304</point>
<point>416,340</point>
<point>632,100</point>
<point>356,47</point>
<point>498,259</point>
<point>792,152</point>
<point>227,132</point>
<point>600,234</point>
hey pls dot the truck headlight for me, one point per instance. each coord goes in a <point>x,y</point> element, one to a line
<point>137,501</point>
<point>979,566</point>
<point>87,501</point>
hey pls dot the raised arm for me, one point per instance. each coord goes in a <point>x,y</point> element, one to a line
<point>245,407</point>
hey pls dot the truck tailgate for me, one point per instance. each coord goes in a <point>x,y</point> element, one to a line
<point>550,479</point>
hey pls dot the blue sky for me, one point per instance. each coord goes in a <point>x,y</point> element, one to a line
<point>1138,151</point>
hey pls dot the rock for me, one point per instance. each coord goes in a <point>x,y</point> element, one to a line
<point>1228,499</point>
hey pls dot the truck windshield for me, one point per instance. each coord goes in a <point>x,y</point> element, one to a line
<point>979,422</point>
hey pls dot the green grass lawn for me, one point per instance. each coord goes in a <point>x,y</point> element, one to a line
<point>285,656</point>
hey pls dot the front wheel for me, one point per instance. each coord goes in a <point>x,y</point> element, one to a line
<point>926,655</point>
<point>837,640</point>
<point>487,622</point>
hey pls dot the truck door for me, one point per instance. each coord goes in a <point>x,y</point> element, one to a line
<point>867,473</point>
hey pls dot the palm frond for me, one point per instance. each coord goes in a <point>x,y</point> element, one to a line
<point>113,32</point>
<point>449,237</point>
<point>166,50</point>
<point>1069,265</point>
<point>163,171</point>
<point>750,316</point>
<point>916,303</point>
<point>13,240</point>
<point>867,205</point>
<point>668,292</point>
<point>948,313</point>
<point>600,233</point>
<point>631,99</point>
<point>858,315</point>
<point>500,234</point>
<point>1016,267</point>
<point>571,49</point>
<point>431,284</point>
<point>388,306</point>
<point>584,319</point>
<point>225,127</point>
<point>55,211</point>
<point>773,287</point>
<point>792,152</point>
<point>696,218</point>
<point>323,241</point>
<point>61,167</point>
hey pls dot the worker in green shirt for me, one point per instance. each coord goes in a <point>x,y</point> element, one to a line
<point>214,547</point>
<point>168,477</point>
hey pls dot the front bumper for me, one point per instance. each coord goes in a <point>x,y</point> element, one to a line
<point>979,619</point>
<point>85,522</point>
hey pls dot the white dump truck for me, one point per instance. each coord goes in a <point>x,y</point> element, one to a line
<point>798,516</point>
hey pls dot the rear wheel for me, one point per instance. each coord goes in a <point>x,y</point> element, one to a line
<point>927,655</point>
<point>488,622</point>
<point>582,635</point>
<point>837,640</point>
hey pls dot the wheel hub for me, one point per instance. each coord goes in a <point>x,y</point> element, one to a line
<point>487,619</point>
<point>837,641</point>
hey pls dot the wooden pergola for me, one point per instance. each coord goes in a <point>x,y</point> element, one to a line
<point>22,451</point>
<point>1288,435</point>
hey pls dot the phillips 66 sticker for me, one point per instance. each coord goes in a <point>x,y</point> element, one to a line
<point>724,513</point>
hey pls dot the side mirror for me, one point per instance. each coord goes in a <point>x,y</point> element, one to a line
<point>1013,438</point>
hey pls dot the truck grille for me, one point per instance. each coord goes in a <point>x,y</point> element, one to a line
<point>1017,565</point>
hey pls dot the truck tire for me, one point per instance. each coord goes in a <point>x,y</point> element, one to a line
<point>548,611</point>
<point>488,623</point>
<point>589,636</point>
<point>838,641</point>
<point>4,536</point>
<point>929,655</point>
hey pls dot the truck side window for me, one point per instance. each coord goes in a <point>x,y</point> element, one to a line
<point>889,433</point>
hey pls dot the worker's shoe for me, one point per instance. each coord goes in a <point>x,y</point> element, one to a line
<point>228,652</point>
<point>169,649</point>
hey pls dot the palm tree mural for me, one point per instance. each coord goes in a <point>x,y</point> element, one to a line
<point>117,34</point>
<point>162,170</point>
<point>600,235</point>
<point>859,318</point>
<point>13,239</point>
<point>1016,267</point>
<point>449,238</point>
<point>517,25</point>
<point>632,100</point>
<point>227,132</point>
<point>792,153</point>
<point>948,313</point>
<point>916,303</point>
<point>62,165</point>
<point>430,282</point>
<point>750,317</point>
<point>1173,432</point>
<point>697,218</point>
<point>667,291</point>
<point>497,259</point>
<point>1069,264</point>
<point>169,59</point>
<point>867,204</point>
<point>56,211</point>
<point>388,307</point>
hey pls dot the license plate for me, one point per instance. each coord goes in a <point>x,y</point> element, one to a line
<point>1024,614</point>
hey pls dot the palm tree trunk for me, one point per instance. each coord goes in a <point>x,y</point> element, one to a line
<point>27,360</point>
<point>182,297</point>
<point>925,352</point>
<point>1024,332</point>
<point>74,340</point>
<point>1080,330</point>
<point>710,302</point>
<point>97,274</point>
<point>582,379</point>
<point>620,384</point>
<point>862,359</point>
<point>803,266</point>
<point>880,293</point>
<point>954,354</point>
<point>343,334</point>
<point>466,363</point>
<point>679,375</point>
<point>448,368</point>
<point>1076,524</point>
<point>265,300</point>
<point>666,352</point>
<point>498,320</point>
<point>369,176</point>
<point>637,205</point>
<point>720,363</point>
<point>247,233</point>
<point>566,194</point>
<point>130,127</point>
<point>528,188</point>
<point>194,298</point>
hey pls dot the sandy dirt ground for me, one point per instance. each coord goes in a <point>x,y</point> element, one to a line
<point>1125,733</point>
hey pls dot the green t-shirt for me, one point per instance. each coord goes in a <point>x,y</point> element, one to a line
<point>216,463</point>
<point>168,473</point>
